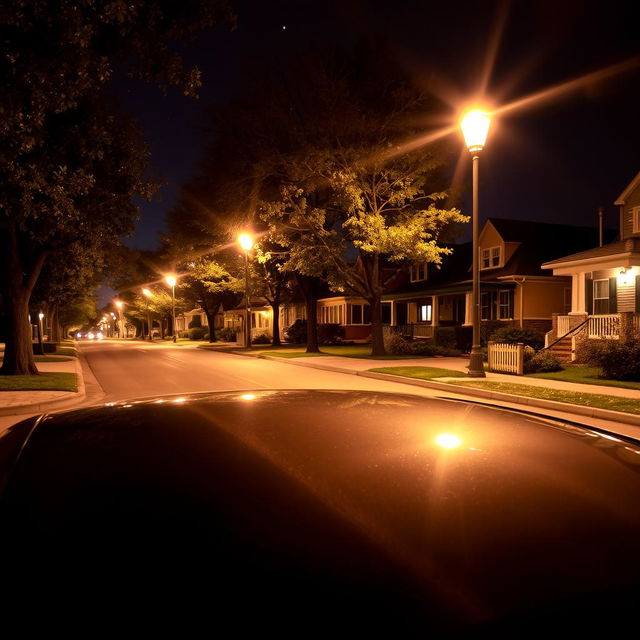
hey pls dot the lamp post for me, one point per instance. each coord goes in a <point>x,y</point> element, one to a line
<point>119,304</point>
<point>171,281</point>
<point>148,295</point>
<point>246,242</point>
<point>475,127</point>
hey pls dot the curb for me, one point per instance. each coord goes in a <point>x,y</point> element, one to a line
<point>73,398</point>
<point>590,412</point>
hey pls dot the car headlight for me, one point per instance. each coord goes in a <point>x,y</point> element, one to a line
<point>99,335</point>
<point>90,336</point>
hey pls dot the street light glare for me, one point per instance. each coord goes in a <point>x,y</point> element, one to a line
<point>118,304</point>
<point>246,241</point>
<point>475,127</point>
<point>147,293</point>
<point>170,280</point>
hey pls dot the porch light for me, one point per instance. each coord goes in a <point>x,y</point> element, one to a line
<point>626,276</point>
<point>475,127</point>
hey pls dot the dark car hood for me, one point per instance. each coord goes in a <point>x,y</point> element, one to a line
<point>353,498</point>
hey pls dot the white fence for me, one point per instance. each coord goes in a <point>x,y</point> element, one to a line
<point>422,331</point>
<point>506,358</point>
<point>563,325</point>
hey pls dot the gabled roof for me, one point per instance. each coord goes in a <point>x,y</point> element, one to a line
<point>611,249</point>
<point>541,242</point>
<point>622,198</point>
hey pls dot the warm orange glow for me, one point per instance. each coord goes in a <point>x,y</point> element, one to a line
<point>147,293</point>
<point>248,396</point>
<point>448,441</point>
<point>475,127</point>
<point>118,304</point>
<point>245,241</point>
<point>170,280</point>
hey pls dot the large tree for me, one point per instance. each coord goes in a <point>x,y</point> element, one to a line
<point>69,166</point>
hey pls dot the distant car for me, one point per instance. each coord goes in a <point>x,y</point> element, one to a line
<point>304,513</point>
<point>91,334</point>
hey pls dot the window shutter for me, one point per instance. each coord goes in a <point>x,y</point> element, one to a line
<point>613,295</point>
<point>511,296</point>
<point>588,295</point>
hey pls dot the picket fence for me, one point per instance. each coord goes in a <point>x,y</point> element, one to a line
<point>506,358</point>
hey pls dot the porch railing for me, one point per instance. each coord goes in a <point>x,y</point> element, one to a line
<point>604,326</point>
<point>563,325</point>
<point>410,330</point>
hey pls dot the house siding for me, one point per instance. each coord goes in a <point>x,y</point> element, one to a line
<point>541,299</point>
<point>633,200</point>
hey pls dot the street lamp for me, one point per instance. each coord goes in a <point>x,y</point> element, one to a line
<point>475,127</point>
<point>246,242</point>
<point>171,281</point>
<point>119,304</point>
<point>148,295</point>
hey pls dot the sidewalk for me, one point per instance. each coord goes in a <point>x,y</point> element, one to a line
<point>31,402</point>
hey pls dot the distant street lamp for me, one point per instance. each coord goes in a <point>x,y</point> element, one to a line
<point>119,304</point>
<point>148,295</point>
<point>246,242</point>
<point>475,127</point>
<point>171,281</point>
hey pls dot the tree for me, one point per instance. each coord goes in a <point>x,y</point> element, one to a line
<point>69,166</point>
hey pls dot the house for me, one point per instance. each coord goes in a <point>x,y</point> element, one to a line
<point>605,300</point>
<point>514,290</point>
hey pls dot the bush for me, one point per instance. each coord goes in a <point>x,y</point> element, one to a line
<point>196,322</point>
<point>464,336</point>
<point>445,337</point>
<point>618,360</point>
<point>540,362</point>
<point>197,333</point>
<point>183,334</point>
<point>330,333</point>
<point>263,338</point>
<point>227,334</point>
<point>510,335</point>
<point>297,332</point>
<point>396,345</point>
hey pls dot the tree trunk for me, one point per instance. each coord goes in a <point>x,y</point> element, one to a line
<point>275,306</point>
<point>18,350</point>
<point>55,325</point>
<point>211,321</point>
<point>308,287</point>
<point>377,335</point>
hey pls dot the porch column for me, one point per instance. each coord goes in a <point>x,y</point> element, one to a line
<point>435,311</point>
<point>393,314</point>
<point>578,302</point>
<point>468,308</point>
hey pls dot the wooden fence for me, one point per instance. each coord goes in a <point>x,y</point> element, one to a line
<point>506,358</point>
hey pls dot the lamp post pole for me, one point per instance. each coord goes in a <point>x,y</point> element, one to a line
<point>246,242</point>
<point>171,281</point>
<point>121,324</point>
<point>475,127</point>
<point>147,293</point>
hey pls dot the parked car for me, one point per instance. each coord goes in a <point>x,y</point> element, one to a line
<point>321,513</point>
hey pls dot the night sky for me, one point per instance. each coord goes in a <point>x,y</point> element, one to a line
<point>555,161</point>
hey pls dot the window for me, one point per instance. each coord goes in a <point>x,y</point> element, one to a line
<point>418,272</point>
<point>504,298</point>
<point>486,306</point>
<point>600,297</point>
<point>424,313</point>
<point>358,314</point>
<point>635,220</point>
<point>490,257</point>
<point>567,299</point>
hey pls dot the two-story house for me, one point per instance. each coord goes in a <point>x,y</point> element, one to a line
<point>605,301</point>
<point>513,287</point>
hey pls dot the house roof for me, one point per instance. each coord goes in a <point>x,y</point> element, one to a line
<point>622,198</point>
<point>611,249</point>
<point>541,242</point>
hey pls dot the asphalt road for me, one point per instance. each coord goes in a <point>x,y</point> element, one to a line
<point>134,370</point>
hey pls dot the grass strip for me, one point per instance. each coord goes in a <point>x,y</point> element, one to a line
<point>614,403</point>
<point>66,351</point>
<point>584,374</point>
<point>44,382</point>
<point>421,373</point>
<point>52,359</point>
<point>291,354</point>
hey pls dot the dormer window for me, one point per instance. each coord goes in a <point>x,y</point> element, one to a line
<point>635,219</point>
<point>418,272</point>
<point>491,257</point>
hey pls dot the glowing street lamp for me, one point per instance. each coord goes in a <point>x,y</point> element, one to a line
<point>246,242</point>
<point>171,281</point>
<point>148,295</point>
<point>475,127</point>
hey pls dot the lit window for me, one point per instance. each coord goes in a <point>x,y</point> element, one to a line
<point>424,313</point>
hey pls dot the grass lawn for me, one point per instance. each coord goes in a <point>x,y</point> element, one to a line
<point>43,382</point>
<point>291,354</point>
<point>615,403</point>
<point>51,358</point>
<point>362,351</point>
<point>421,373</point>
<point>65,351</point>
<point>585,375</point>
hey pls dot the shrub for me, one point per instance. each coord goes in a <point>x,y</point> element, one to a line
<point>510,335</point>
<point>540,362</point>
<point>330,333</point>
<point>297,332</point>
<point>396,345</point>
<point>263,338</point>
<point>196,322</point>
<point>464,337</point>
<point>197,333</point>
<point>183,334</point>
<point>445,337</point>
<point>227,334</point>
<point>618,360</point>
